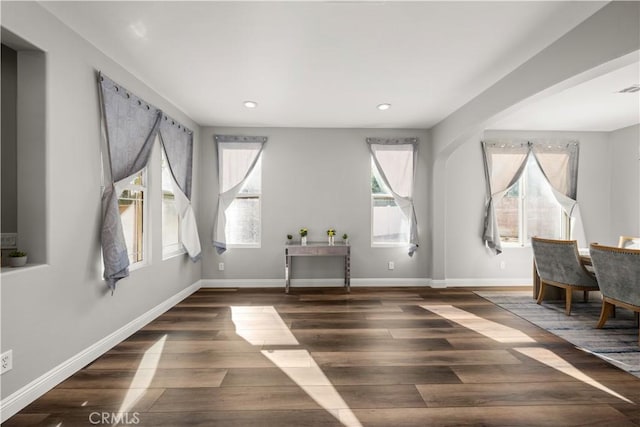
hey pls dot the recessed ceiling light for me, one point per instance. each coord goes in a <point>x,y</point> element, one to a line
<point>383,107</point>
<point>630,89</point>
<point>250,104</point>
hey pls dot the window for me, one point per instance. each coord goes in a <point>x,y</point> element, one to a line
<point>171,241</point>
<point>133,215</point>
<point>243,228</point>
<point>389,224</point>
<point>530,209</point>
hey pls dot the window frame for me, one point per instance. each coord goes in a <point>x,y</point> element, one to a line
<point>384,196</point>
<point>173,249</point>
<point>247,196</point>
<point>144,239</point>
<point>523,242</point>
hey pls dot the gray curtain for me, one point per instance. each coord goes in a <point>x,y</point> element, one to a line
<point>401,190</point>
<point>177,142</point>
<point>130,125</point>
<point>228,191</point>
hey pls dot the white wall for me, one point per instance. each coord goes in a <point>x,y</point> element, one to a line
<point>52,312</point>
<point>466,255</point>
<point>624,146</point>
<point>314,178</point>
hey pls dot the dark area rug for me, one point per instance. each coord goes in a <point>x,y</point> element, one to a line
<point>617,342</point>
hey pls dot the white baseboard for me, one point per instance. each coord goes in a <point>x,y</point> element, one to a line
<point>359,282</point>
<point>453,283</point>
<point>18,400</point>
<point>313,283</point>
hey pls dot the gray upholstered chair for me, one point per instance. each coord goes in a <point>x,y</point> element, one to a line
<point>618,273</point>
<point>629,242</point>
<point>558,264</point>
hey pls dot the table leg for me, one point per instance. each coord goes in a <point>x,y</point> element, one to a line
<point>536,281</point>
<point>287,277</point>
<point>347,273</point>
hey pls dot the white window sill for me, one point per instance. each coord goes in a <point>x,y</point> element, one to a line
<point>6,271</point>
<point>236,246</point>
<point>390,245</point>
<point>172,254</point>
<point>137,265</point>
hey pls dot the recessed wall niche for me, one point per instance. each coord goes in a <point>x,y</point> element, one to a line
<point>23,147</point>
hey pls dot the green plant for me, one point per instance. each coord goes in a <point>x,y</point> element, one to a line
<point>331,232</point>
<point>345,236</point>
<point>303,232</point>
<point>289,237</point>
<point>17,254</point>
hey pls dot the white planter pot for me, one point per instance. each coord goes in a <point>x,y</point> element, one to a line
<point>303,240</point>
<point>17,261</point>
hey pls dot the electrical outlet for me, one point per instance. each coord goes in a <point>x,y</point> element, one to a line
<point>221,266</point>
<point>391,265</point>
<point>6,361</point>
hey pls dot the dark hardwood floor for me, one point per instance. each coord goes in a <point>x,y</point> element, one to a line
<point>320,357</point>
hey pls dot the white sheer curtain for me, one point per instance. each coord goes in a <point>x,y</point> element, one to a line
<point>395,161</point>
<point>558,161</point>
<point>177,142</point>
<point>233,173</point>
<point>504,163</point>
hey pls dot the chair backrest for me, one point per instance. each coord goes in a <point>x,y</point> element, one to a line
<point>558,261</point>
<point>618,272</point>
<point>629,242</point>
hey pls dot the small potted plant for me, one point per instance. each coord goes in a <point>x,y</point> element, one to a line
<point>17,258</point>
<point>289,237</point>
<point>303,236</point>
<point>345,238</point>
<point>331,233</point>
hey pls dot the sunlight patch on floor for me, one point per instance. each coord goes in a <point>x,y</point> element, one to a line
<point>488,328</point>
<point>305,372</point>
<point>261,325</point>
<point>554,361</point>
<point>144,375</point>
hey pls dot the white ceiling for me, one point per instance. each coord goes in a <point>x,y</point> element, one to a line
<point>324,64</point>
<point>595,105</point>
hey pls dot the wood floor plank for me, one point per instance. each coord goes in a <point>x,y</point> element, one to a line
<point>415,358</point>
<point>182,361</point>
<point>510,416</point>
<point>518,394</point>
<point>84,400</point>
<point>155,378</point>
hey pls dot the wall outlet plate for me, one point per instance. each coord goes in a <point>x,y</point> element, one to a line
<point>221,266</point>
<point>6,361</point>
<point>391,265</point>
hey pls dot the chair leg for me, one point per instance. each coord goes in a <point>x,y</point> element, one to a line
<point>540,293</point>
<point>569,294</point>
<point>637,314</point>
<point>604,313</point>
<point>585,296</point>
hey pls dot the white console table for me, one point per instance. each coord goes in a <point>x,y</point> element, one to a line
<point>317,249</point>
